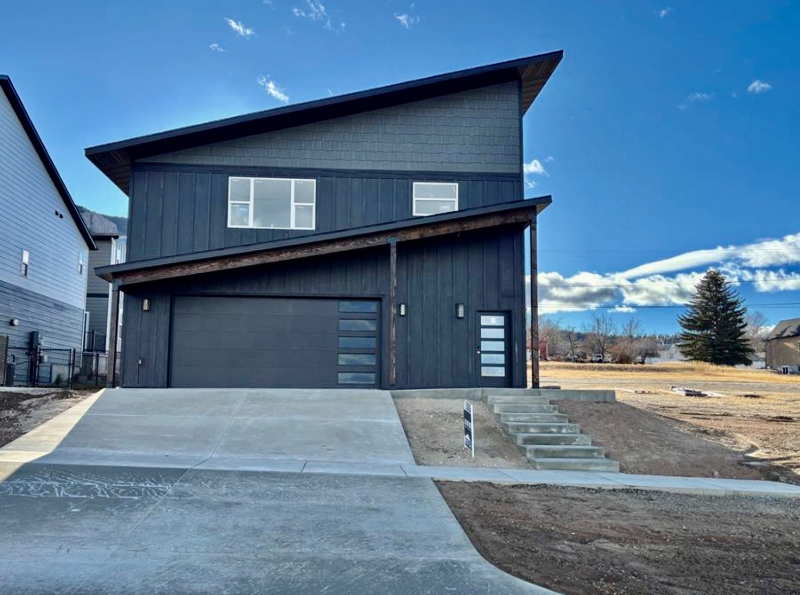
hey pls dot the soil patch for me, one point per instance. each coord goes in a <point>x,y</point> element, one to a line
<point>435,430</point>
<point>21,412</point>
<point>612,542</point>
<point>649,444</point>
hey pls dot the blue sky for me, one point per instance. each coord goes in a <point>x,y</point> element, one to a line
<point>669,128</point>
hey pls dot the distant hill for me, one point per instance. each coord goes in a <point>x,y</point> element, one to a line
<point>120,222</point>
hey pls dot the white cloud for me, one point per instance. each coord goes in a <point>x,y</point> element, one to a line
<point>664,12</point>
<point>315,10</point>
<point>758,86</point>
<point>272,89</point>
<point>549,159</point>
<point>239,28</point>
<point>530,184</point>
<point>695,98</point>
<point>772,281</point>
<point>535,167</point>
<point>407,20</point>
<point>215,47</point>
<point>623,309</point>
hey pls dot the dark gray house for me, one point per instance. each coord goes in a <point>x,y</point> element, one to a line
<point>44,243</point>
<point>374,239</point>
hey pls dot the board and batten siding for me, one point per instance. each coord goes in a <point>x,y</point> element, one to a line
<point>481,269</point>
<point>468,131</point>
<point>28,203</point>
<point>181,212</point>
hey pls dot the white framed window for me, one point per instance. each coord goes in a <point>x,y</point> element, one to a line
<point>25,263</point>
<point>434,198</point>
<point>272,203</point>
<point>81,262</point>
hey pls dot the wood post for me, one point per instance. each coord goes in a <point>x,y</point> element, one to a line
<point>393,312</point>
<point>534,308</point>
<point>111,358</point>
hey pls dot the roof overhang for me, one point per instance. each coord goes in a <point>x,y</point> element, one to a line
<point>161,269</point>
<point>27,124</point>
<point>115,159</point>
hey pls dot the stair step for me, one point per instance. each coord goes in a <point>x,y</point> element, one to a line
<point>564,464</point>
<point>523,408</point>
<point>523,439</point>
<point>541,428</point>
<point>561,451</point>
<point>534,418</point>
<point>517,399</point>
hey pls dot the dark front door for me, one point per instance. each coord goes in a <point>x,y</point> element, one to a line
<point>233,342</point>
<point>494,363</point>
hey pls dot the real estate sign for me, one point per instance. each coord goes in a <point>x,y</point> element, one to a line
<point>469,428</point>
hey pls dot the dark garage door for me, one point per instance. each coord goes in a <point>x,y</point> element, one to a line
<point>274,342</point>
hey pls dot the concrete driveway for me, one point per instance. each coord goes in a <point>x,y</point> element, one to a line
<point>200,491</point>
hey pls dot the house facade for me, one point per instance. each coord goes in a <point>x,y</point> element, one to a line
<point>783,347</point>
<point>375,239</point>
<point>44,244</point>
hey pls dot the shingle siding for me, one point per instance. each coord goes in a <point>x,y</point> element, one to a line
<point>28,203</point>
<point>471,131</point>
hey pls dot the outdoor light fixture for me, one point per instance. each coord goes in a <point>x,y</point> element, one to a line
<point>402,309</point>
<point>459,310</point>
<point>146,304</point>
<point>14,322</point>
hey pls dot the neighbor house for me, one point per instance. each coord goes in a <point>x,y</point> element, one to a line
<point>375,239</point>
<point>44,243</point>
<point>783,347</point>
<point>110,250</point>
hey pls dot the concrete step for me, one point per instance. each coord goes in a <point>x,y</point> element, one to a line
<point>563,464</point>
<point>523,439</point>
<point>534,418</point>
<point>523,408</point>
<point>561,451</point>
<point>517,399</point>
<point>543,428</point>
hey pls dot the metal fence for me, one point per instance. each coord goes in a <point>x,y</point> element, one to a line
<point>67,368</point>
<point>94,341</point>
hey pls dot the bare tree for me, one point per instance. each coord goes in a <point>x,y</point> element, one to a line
<point>757,330</point>
<point>632,329</point>
<point>570,334</point>
<point>550,332</point>
<point>600,331</point>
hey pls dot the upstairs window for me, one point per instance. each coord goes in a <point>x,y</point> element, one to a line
<point>25,262</point>
<point>81,262</point>
<point>271,203</point>
<point>434,198</point>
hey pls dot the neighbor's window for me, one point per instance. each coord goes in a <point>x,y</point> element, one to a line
<point>271,203</point>
<point>81,262</point>
<point>433,198</point>
<point>25,261</point>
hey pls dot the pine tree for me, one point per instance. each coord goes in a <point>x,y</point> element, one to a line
<point>714,327</point>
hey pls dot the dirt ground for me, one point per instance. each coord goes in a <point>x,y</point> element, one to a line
<point>435,430</point>
<point>21,412</point>
<point>612,542</point>
<point>757,412</point>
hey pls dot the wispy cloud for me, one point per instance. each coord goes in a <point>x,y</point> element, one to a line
<point>549,159</point>
<point>671,281</point>
<point>758,86</point>
<point>407,20</point>
<point>272,88</point>
<point>239,28</point>
<point>215,47</point>
<point>535,167</point>
<point>664,12</point>
<point>314,10</point>
<point>695,97</point>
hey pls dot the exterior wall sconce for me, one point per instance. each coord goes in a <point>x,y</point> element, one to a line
<point>146,304</point>
<point>402,309</point>
<point>460,310</point>
<point>14,322</point>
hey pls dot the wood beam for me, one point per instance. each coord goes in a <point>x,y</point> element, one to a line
<point>111,358</point>
<point>321,247</point>
<point>393,312</point>
<point>534,308</point>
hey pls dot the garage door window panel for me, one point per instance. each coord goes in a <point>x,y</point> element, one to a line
<point>271,203</point>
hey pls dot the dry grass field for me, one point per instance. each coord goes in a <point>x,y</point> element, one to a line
<point>754,411</point>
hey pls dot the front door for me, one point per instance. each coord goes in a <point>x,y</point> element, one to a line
<point>494,365</point>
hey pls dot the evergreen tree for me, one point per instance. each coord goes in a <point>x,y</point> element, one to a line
<point>714,328</point>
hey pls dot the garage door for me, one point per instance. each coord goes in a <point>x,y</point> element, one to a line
<point>274,342</point>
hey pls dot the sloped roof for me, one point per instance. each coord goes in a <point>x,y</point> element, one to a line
<point>785,328</point>
<point>99,226</point>
<point>22,115</point>
<point>114,159</point>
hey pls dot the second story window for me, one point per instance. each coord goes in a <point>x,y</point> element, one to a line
<point>25,263</point>
<point>433,198</point>
<point>271,203</point>
<point>81,262</point>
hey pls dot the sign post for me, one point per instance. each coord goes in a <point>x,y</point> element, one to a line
<point>469,428</point>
